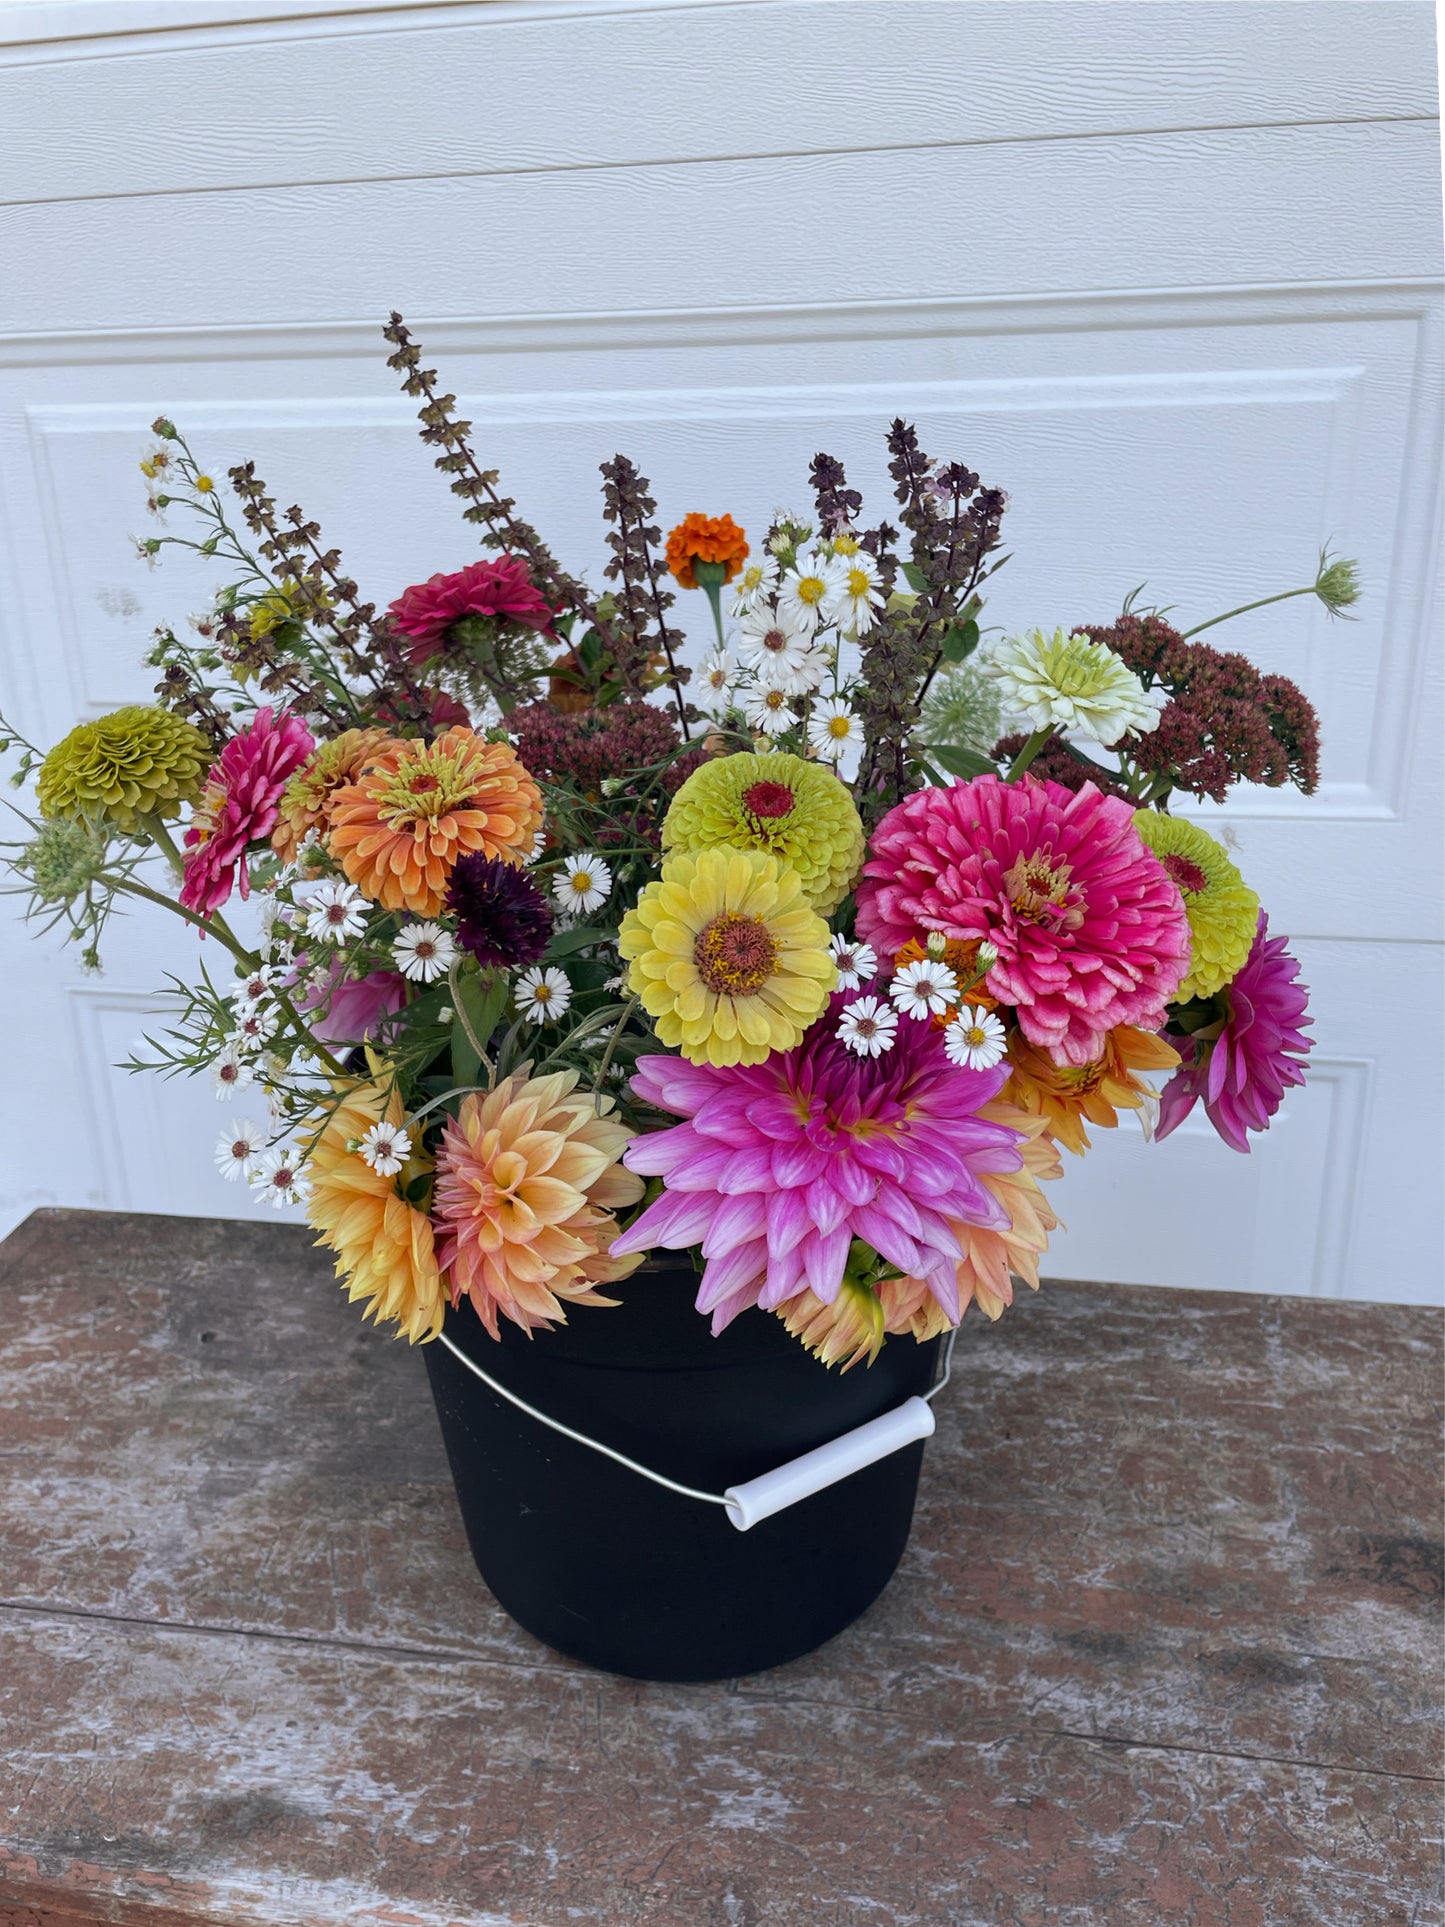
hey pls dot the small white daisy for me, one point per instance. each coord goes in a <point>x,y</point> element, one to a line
<point>386,1148</point>
<point>771,640</point>
<point>423,952</point>
<point>804,596</point>
<point>716,681</point>
<point>335,912</point>
<point>253,1029</point>
<point>238,1148</point>
<point>770,710</point>
<point>231,1072</point>
<point>833,727</point>
<point>855,591</point>
<point>277,1178</point>
<point>583,883</point>
<point>868,1027</point>
<point>856,961</point>
<point>542,994</point>
<point>754,581</point>
<point>799,676</point>
<point>256,987</point>
<point>975,1040</point>
<point>924,989</point>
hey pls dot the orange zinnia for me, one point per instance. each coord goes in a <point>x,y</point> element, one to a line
<point>705,538</point>
<point>398,831</point>
<point>306,799</point>
<point>961,956</point>
<point>1064,1095</point>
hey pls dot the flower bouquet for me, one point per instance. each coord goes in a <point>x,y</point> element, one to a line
<point>675,1018</point>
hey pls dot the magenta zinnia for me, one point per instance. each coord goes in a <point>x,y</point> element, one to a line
<point>1090,931</point>
<point>500,588</point>
<point>240,806</point>
<point>780,1165</point>
<point>1242,1065</point>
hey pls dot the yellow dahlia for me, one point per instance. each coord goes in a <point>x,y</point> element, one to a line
<point>306,799</point>
<point>398,830</point>
<point>527,1181</point>
<point>1223,911</point>
<point>843,1333</point>
<point>383,1244</point>
<point>1065,1095</point>
<point>138,761</point>
<point>798,812</point>
<point>728,959</point>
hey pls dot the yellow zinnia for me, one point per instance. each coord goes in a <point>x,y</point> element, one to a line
<point>1223,911</point>
<point>727,957</point>
<point>384,1245</point>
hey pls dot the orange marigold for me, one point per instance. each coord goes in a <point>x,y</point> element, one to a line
<point>398,830</point>
<point>705,538</point>
<point>306,799</point>
<point>1065,1095</point>
<point>528,1177</point>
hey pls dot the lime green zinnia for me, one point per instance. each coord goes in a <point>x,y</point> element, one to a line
<point>798,812</point>
<point>1223,911</point>
<point>140,761</point>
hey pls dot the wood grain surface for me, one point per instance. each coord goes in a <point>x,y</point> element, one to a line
<point>1164,1648</point>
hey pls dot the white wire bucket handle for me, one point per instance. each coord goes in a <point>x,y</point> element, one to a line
<point>800,1478</point>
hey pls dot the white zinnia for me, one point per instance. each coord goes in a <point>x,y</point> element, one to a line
<point>423,952</point>
<point>238,1148</point>
<point>277,1178</point>
<point>769,709</point>
<point>335,912</point>
<point>542,994</point>
<point>1067,682</point>
<point>804,595</point>
<point>584,883</point>
<point>856,961</point>
<point>868,1027</point>
<point>924,989</point>
<point>386,1148</point>
<point>716,680</point>
<point>833,727</point>
<point>975,1040</point>
<point>856,588</point>
<point>753,582</point>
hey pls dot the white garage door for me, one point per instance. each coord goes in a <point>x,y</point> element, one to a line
<point>1169,273</point>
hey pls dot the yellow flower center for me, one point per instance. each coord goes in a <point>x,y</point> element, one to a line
<point>975,1035</point>
<point>581,882</point>
<point>840,728</point>
<point>426,787</point>
<point>811,588</point>
<point>775,699</point>
<point>858,582</point>
<point>541,993</point>
<point>1041,892</point>
<point>735,955</point>
<point>845,545</point>
<point>204,484</point>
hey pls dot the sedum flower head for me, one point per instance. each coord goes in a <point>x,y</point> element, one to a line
<point>792,809</point>
<point>1067,682</point>
<point>138,761</point>
<point>1223,911</point>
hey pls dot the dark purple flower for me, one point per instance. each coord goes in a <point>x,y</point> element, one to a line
<point>502,917</point>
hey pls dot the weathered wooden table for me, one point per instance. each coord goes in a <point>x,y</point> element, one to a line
<point>1165,1647</point>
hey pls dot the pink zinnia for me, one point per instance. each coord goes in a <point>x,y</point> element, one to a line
<point>1090,931</point>
<point>240,806</point>
<point>501,588</point>
<point>1243,1067</point>
<point>782,1164</point>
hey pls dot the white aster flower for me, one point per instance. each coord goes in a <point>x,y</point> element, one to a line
<point>583,883</point>
<point>856,961</point>
<point>253,1030</point>
<point>255,988</point>
<point>716,680</point>
<point>868,1027</point>
<point>335,912</point>
<point>238,1148</point>
<point>856,589</point>
<point>770,710</point>
<point>833,727</point>
<point>770,640</point>
<point>1067,682</point>
<point>231,1072</point>
<point>386,1148</point>
<point>542,994</point>
<point>804,595</point>
<point>755,581</point>
<point>975,1040</point>
<point>803,677</point>
<point>924,989</point>
<point>423,952</point>
<point>277,1178</point>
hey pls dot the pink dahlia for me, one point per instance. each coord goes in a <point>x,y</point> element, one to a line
<point>240,806</point>
<point>780,1165</point>
<point>1243,1065</point>
<point>500,588</point>
<point>1090,931</point>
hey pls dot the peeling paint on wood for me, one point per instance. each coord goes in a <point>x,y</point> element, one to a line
<point>1164,1649</point>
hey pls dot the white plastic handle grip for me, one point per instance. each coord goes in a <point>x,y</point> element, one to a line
<point>801,1478</point>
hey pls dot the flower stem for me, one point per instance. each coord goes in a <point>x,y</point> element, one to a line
<point>1245,608</point>
<point>212,926</point>
<point>606,1064</point>
<point>1029,751</point>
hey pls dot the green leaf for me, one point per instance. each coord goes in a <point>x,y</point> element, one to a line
<point>564,942</point>
<point>482,998</point>
<point>961,762</point>
<point>960,641</point>
<point>914,577</point>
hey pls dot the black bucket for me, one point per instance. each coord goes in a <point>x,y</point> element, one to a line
<point>618,1572</point>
